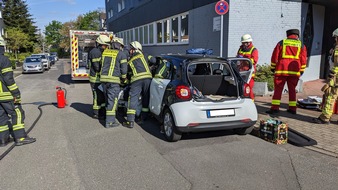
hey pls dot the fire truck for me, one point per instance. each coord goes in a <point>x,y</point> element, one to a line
<point>81,43</point>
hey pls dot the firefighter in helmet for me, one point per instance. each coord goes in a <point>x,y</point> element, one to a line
<point>95,56</point>
<point>139,82</point>
<point>330,89</point>
<point>247,50</point>
<point>288,63</point>
<point>10,104</point>
<point>113,73</point>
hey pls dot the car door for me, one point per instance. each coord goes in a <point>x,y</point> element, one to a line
<point>157,89</point>
<point>243,66</point>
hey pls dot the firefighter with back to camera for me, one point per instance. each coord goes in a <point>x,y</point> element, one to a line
<point>113,73</point>
<point>139,82</point>
<point>10,104</point>
<point>330,89</point>
<point>288,62</point>
<point>95,56</point>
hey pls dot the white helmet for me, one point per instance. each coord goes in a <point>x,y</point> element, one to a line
<point>2,41</point>
<point>246,38</point>
<point>136,45</point>
<point>335,33</point>
<point>103,40</point>
<point>118,40</point>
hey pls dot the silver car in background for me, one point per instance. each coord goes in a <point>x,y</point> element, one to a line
<point>44,59</point>
<point>33,65</point>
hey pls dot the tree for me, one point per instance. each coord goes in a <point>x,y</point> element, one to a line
<point>88,21</point>
<point>16,15</point>
<point>52,32</point>
<point>17,39</point>
<point>65,39</point>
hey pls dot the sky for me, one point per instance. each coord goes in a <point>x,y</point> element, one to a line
<point>45,11</point>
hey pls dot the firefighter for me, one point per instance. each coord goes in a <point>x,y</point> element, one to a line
<point>288,63</point>
<point>95,55</point>
<point>113,73</point>
<point>139,82</point>
<point>247,50</point>
<point>330,89</point>
<point>10,104</point>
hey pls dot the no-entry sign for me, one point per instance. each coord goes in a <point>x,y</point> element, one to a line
<point>221,7</point>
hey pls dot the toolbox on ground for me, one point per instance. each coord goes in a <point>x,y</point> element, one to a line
<point>273,130</point>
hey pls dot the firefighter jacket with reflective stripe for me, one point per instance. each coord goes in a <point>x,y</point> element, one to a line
<point>95,64</point>
<point>8,87</point>
<point>138,66</point>
<point>251,53</point>
<point>114,66</point>
<point>289,57</point>
<point>162,69</point>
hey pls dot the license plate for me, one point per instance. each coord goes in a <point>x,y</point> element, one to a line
<point>220,113</point>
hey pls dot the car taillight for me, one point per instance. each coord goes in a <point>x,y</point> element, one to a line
<point>183,92</point>
<point>247,90</point>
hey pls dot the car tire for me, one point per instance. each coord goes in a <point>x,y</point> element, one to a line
<point>170,130</point>
<point>244,131</point>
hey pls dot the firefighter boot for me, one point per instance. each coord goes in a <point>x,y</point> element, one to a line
<point>4,142</point>
<point>24,140</point>
<point>112,124</point>
<point>129,124</point>
<point>320,121</point>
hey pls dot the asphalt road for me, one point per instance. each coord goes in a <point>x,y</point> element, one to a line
<point>74,151</point>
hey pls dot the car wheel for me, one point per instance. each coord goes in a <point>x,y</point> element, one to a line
<point>244,131</point>
<point>170,131</point>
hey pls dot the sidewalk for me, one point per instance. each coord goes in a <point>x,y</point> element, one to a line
<point>325,135</point>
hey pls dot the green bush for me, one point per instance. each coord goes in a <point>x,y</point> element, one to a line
<point>264,74</point>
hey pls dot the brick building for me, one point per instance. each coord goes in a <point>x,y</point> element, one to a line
<point>174,26</point>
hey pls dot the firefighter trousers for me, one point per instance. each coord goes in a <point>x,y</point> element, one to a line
<point>98,100</point>
<point>328,104</point>
<point>111,90</point>
<point>17,115</point>
<point>138,88</point>
<point>279,83</point>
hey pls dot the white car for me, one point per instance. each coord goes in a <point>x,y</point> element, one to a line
<point>44,59</point>
<point>203,93</point>
<point>32,65</point>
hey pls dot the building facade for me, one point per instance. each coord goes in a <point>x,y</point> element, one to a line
<point>175,26</point>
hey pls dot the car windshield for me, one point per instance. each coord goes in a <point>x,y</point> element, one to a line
<point>38,55</point>
<point>32,60</point>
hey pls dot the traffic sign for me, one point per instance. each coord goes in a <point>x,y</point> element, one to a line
<point>222,7</point>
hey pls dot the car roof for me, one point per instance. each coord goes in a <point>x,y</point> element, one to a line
<point>193,57</point>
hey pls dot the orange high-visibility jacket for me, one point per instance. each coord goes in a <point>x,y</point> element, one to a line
<point>289,57</point>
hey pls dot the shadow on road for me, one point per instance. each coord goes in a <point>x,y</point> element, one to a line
<point>83,108</point>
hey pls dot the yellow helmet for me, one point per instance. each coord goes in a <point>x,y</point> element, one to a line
<point>2,41</point>
<point>136,45</point>
<point>335,33</point>
<point>246,38</point>
<point>103,40</point>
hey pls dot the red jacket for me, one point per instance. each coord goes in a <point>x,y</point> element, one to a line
<point>249,52</point>
<point>289,57</point>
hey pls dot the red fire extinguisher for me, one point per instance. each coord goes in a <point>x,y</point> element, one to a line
<point>61,94</point>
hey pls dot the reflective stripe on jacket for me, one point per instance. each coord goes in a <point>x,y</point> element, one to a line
<point>139,67</point>
<point>289,57</point>
<point>95,65</point>
<point>8,87</point>
<point>114,66</point>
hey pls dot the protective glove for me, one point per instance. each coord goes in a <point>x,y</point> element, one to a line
<point>17,100</point>
<point>326,89</point>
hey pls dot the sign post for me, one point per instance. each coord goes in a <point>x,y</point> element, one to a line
<point>221,8</point>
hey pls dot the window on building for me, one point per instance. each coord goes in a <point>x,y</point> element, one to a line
<point>111,13</point>
<point>120,6</point>
<point>174,29</point>
<point>166,31</point>
<point>141,35</point>
<point>184,28</point>
<point>136,34</point>
<point>146,35</point>
<point>159,32</point>
<point>151,34</point>
<point>131,35</point>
